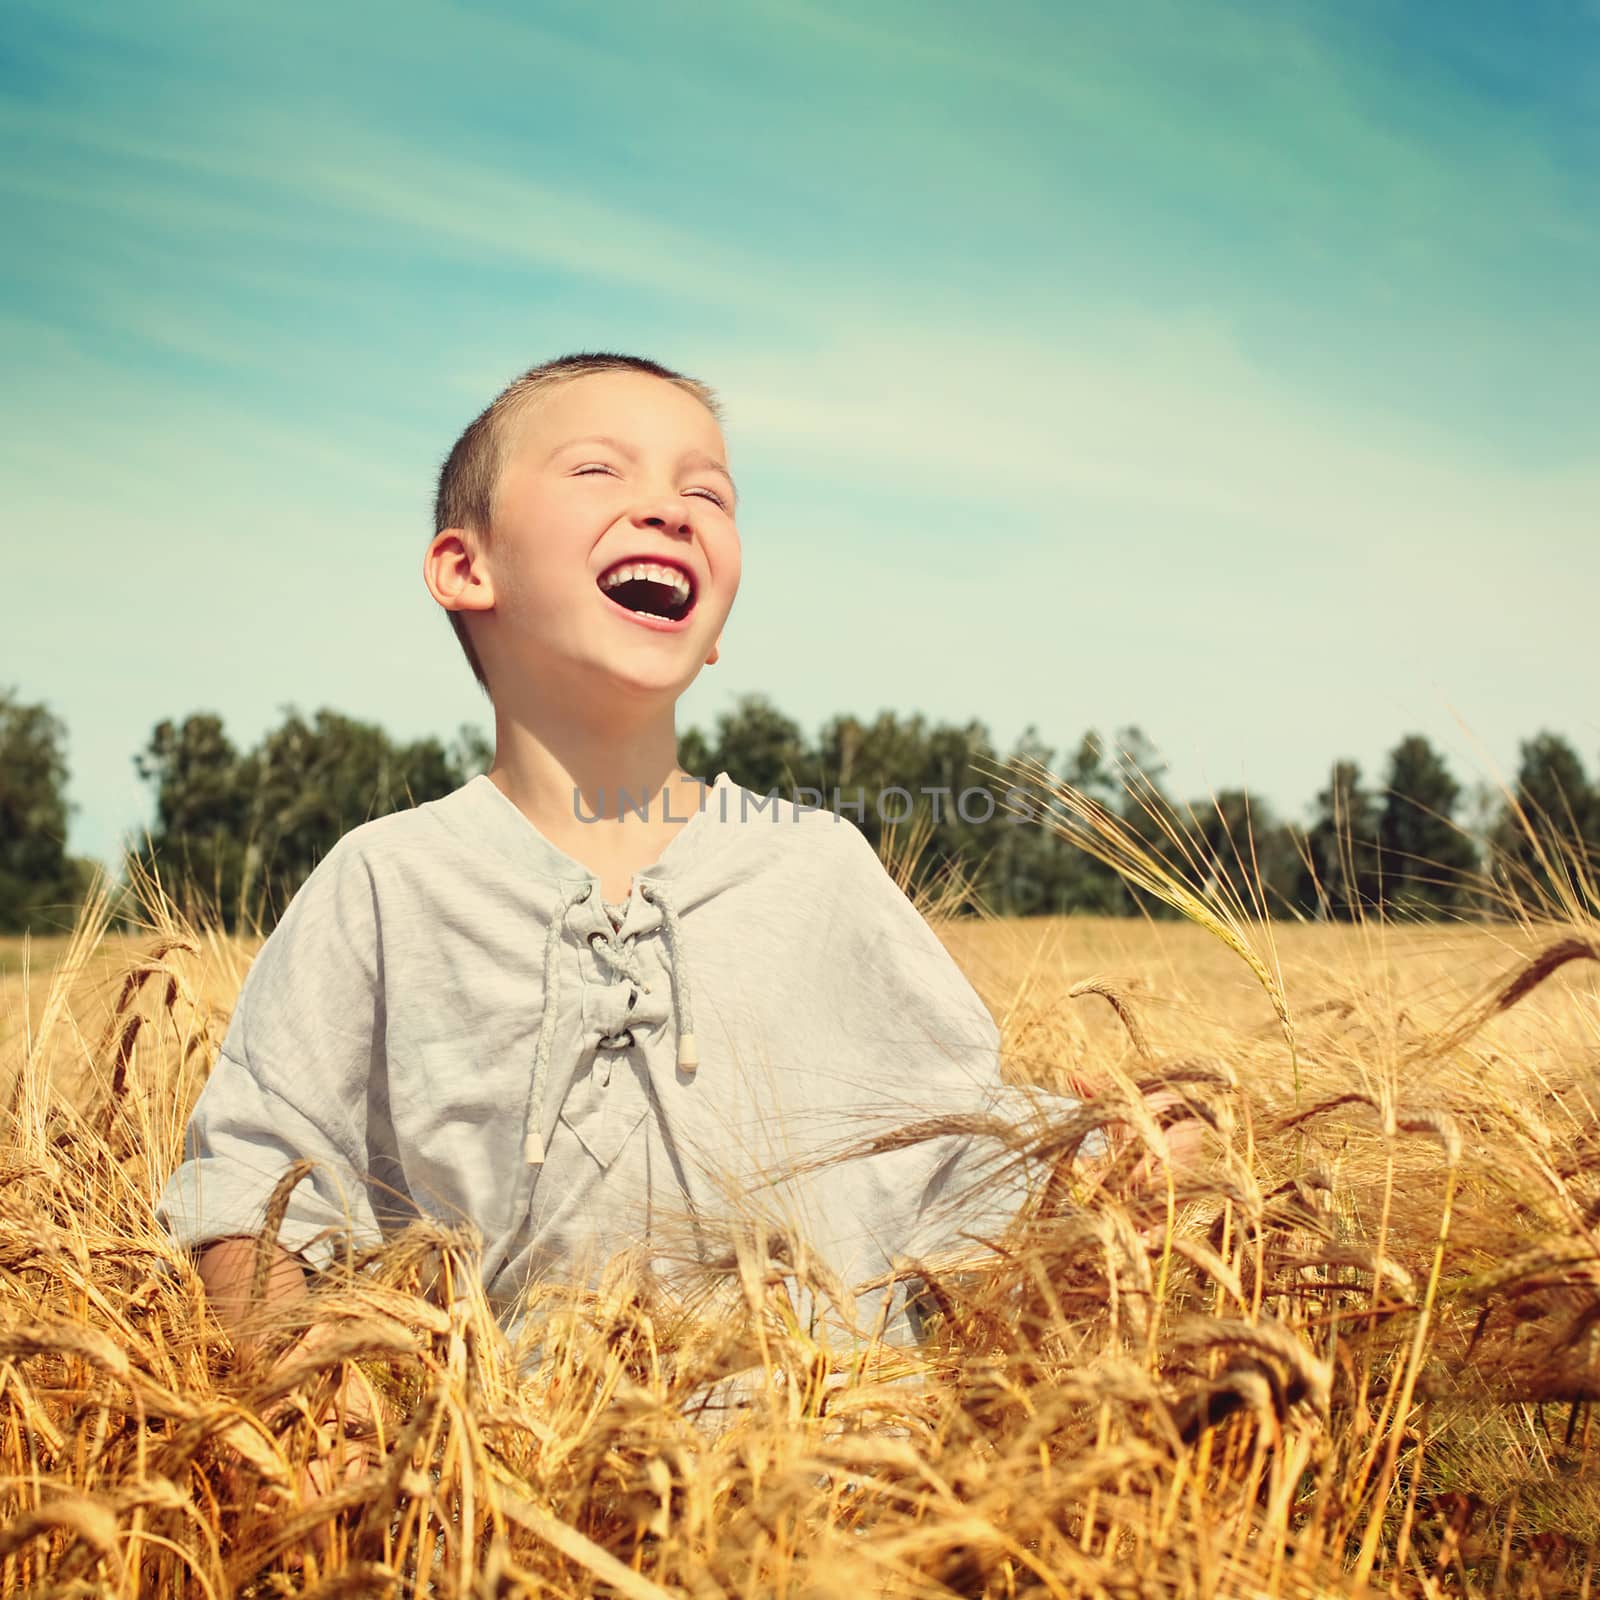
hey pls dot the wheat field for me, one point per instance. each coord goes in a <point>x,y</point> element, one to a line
<point>1349,1349</point>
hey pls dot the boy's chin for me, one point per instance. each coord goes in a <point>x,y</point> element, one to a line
<point>644,680</point>
<point>602,679</point>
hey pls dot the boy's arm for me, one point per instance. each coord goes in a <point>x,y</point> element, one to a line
<point>902,993</point>
<point>293,1080</point>
<point>941,1051</point>
<point>227,1268</point>
<point>923,1047</point>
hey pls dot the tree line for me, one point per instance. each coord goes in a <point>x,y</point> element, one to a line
<point>234,831</point>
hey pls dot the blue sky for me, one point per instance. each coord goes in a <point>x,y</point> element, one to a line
<point>1227,369</point>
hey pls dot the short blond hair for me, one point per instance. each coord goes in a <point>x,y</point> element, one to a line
<point>471,472</point>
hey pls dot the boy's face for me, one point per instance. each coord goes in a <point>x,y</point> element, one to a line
<point>613,471</point>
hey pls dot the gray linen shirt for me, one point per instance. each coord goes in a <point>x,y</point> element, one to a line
<point>447,1021</point>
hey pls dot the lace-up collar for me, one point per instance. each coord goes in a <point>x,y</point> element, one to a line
<point>512,833</point>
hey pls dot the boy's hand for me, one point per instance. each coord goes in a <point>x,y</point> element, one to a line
<point>345,1448</point>
<point>1185,1140</point>
<point>1185,1136</point>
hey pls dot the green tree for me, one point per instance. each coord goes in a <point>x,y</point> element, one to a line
<point>948,774</point>
<point>196,845</point>
<point>835,756</point>
<point>1089,771</point>
<point>1139,774</point>
<point>872,758</point>
<point>40,885</point>
<point>1072,880</point>
<point>1339,877</point>
<point>309,783</point>
<point>1244,852</point>
<point>1019,876</point>
<point>859,767</point>
<point>472,751</point>
<point>757,746</point>
<point>235,835</point>
<point>695,754</point>
<point>1427,860</point>
<point>1548,833</point>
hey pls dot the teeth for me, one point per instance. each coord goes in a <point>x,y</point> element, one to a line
<point>669,576</point>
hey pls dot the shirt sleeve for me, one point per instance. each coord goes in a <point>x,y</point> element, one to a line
<point>912,1022</point>
<point>294,1079</point>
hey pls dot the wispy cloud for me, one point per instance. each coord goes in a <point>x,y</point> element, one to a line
<point>1154,414</point>
<point>434,205</point>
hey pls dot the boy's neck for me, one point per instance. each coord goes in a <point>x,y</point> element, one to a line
<point>584,788</point>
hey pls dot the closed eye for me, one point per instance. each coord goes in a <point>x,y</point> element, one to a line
<point>591,468</point>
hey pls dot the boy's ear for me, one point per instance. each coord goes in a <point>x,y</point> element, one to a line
<point>455,577</point>
<point>716,650</point>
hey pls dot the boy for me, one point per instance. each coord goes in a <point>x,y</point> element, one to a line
<point>572,1032</point>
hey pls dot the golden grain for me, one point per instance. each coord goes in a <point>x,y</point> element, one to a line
<point>1312,1363</point>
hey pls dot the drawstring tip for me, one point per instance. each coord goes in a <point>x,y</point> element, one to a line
<point>533,1148</point>
<point>688,1053</point>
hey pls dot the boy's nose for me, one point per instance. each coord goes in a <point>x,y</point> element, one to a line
<point>670,512</point>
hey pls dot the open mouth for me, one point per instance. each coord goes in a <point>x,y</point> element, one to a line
<point>649,588</point>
